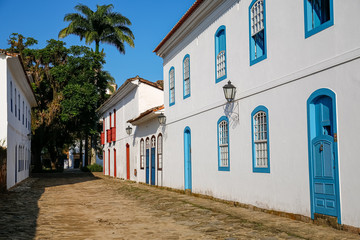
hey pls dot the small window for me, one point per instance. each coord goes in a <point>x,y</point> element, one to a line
<point>223,144</point>
<point>257,23</point>
<point>19,107</point>
<point>23,115</point>
<point>153,142</point>
<point>172,86</point>
<point>147,143</point>
<point>11,97</point>
<point>142,153</point>
<point>220,54</point>
<point>26,121</point>
<point>318,16</point>
<point>186,72</point>
<point>15,104</point>
<point>260,138</point>
<point>159,151</point>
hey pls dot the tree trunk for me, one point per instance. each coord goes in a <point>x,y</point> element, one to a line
<point>97,46</point>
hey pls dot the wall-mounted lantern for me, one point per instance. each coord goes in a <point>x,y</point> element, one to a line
<point>229,91</point>
<point>162,119</point>
<point>128,130</point>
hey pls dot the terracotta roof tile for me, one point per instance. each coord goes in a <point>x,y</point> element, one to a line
<point>143,114</point>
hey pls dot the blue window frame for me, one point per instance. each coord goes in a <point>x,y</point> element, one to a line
<point>318,16</point>
<point>172,86</point>
<point>260,140</point>
<point>223,144</point>
<point>257,31</point>
<point>186,76</point>
<point>220,54</point>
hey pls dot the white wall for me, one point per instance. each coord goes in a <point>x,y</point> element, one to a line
<point>128,107</point>
<point>295,67</point>
<point>17,130</point>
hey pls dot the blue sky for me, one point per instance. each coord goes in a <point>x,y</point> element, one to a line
<point>151,21</point>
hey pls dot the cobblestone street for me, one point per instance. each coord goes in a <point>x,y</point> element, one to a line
<point>78,205</point>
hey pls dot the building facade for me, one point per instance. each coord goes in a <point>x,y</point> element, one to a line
<point>286,142</point>
<point>17,99</point>
<point>121,150</point>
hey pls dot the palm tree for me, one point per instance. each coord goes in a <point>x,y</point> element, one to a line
<point>103,26</point>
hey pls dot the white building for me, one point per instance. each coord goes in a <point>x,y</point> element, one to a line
<point>17,99</point>
<point>139,102</point>
<point>288,140</point>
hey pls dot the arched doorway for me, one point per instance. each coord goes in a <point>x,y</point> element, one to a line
<point>323,160</point>
<point>187,159</point>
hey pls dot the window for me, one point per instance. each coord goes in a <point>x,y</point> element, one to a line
<point>318,16</point>
<point>260,140</point>
<point>186,75</point>
<point>172,86</point>
<point>11,97</point>
<point>159,151</point>
<point>257,21</point>
<point>23,115</point>
<point>153,142</point>
<point>223,144</point>
<point>15,104</point>
<point>26,121</point>
<point>19,107</point>
<point>220,54</point>
<point>142,153</point>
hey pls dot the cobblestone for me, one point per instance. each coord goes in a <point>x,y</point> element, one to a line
<point>82,206</point>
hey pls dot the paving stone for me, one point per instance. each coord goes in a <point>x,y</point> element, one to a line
<point>81,206</point>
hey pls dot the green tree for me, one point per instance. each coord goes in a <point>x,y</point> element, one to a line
<point>101,26</point>
<point>69,85</point>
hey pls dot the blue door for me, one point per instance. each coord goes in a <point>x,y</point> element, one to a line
<point>324,183</point>
<point>187,158</point>
<point>147,166</point>
<point>153,166</point>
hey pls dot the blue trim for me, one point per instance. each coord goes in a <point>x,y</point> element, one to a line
<point>311,135</point>
<point>219,159</point>
<point>171,103</point>
<point>258,169</point>
<point>187,162</point>
<point>264,56</point>
<point>188,95</point>
<point>217,50</point>
<point>310,32</point>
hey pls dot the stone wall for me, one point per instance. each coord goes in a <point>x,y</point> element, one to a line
<point>2,169</point>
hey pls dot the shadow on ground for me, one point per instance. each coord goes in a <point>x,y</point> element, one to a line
<point>19,209</point>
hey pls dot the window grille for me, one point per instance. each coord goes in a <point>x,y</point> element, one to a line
<point>147,143</point>
<point>220,63</point>
<point>223,144</point>
<point>260,139</point>
<point>159,151</point>
<point>172,86</point>
<point>187,76</point>
<point>257,17</point>
<point>153,142</point>
<point>142,153</point>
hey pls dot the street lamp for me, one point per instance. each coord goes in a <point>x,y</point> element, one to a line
<point>229,91</point>
<point>128,130</point>
<point>162,119</point>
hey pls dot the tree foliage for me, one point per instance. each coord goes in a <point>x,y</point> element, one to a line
<point>69,85</point>
<point>103,26</point>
